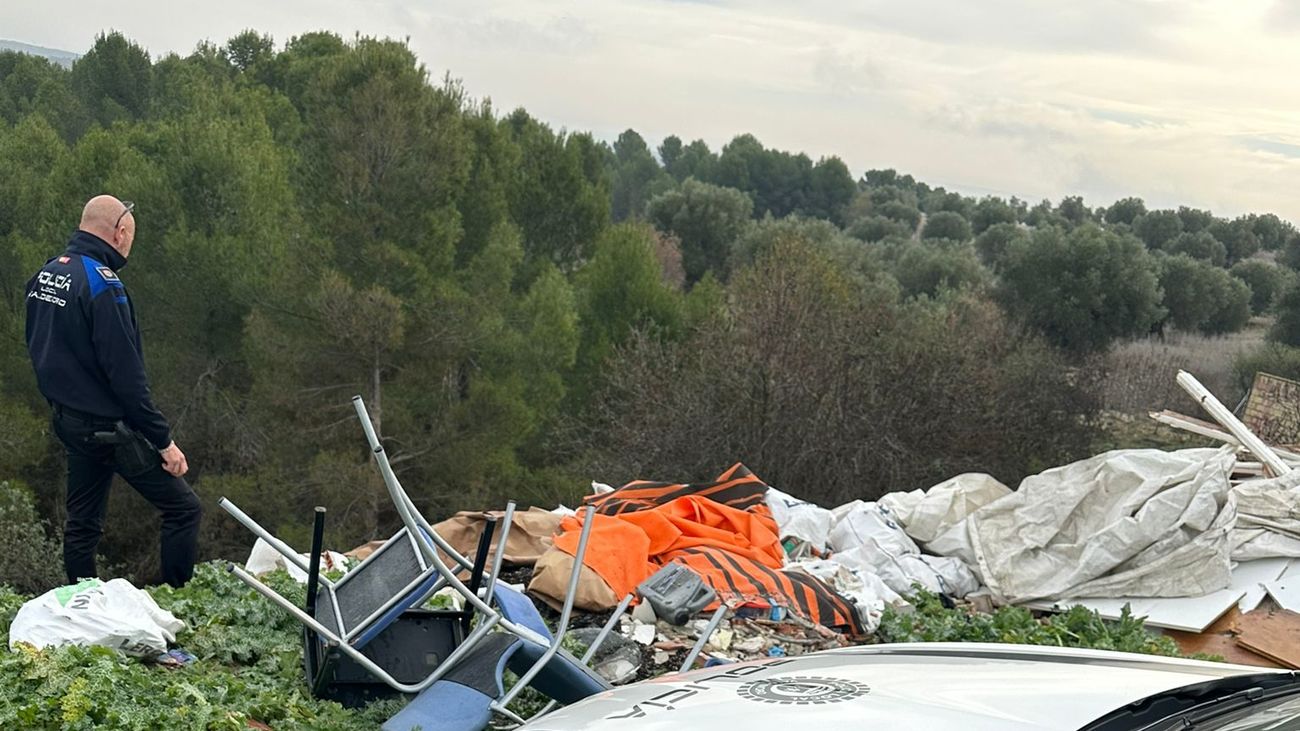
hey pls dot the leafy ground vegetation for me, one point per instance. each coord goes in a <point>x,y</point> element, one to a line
<point>249,668</point>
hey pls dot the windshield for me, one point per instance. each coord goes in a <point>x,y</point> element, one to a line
<point>1282,714</point>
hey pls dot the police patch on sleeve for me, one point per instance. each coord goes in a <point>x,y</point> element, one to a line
<point>107,273</point>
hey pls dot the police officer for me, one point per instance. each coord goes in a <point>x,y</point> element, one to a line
<point>84,342</point>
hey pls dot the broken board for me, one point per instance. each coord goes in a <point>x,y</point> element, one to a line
<point>1286,589</point>
<point>1275,635</point>
<point>1189,614</point>
<point>1220,638</point>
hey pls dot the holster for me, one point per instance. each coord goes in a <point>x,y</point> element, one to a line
<point>132,453</point>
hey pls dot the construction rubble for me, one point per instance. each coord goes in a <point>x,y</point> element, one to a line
<point>1204,543</point>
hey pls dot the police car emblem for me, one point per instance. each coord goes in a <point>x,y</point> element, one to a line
<point>802,691</point>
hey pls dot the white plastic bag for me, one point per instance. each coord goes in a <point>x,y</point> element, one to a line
<point>113,614</point>
<point>264,559</point>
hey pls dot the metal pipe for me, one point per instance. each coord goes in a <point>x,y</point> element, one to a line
<point>406,509</point>
<point>572,592</point>
<point>285,604</point>
<point>313,570</point>
<point>508,521</point>
<point>594,646</point>
<point>565,612</point>
<point>714,621</point>
<point>412,518</point>
<point>605,630</point>
<point>280,546</point>
<point>367,425</point>
<point>480,563</point>
<point>1234,426</point>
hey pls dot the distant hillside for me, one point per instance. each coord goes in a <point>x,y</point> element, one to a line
<point>63,58</point>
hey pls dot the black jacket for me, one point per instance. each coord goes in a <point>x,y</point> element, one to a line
<point>84,339</point>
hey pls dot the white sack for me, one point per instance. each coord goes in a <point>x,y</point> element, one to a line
<point>264,559</point>
<point>926,514</point>
<point>1128,523</point>
<point>868,539</point>
<point>115,615</point>
<point>799,519</point>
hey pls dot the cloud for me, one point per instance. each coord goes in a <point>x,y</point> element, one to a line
<point>1129,27</point>
<point>1272,146</point>
<point>1129,119</point>
<point>842,72</point>
<point>1283,16</point>
<point>564,34</point>
<point>1178,101</point>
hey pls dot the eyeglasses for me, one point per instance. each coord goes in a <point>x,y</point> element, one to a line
<point>129,206</point>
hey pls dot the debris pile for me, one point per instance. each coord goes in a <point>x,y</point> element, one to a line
<point>1179,537</point>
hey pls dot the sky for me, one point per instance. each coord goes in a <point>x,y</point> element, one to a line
<point>1180,102</point>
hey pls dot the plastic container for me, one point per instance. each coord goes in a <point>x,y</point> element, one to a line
<point>676,593</point>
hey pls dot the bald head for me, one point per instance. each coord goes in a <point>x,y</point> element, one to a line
<point>103,217</point>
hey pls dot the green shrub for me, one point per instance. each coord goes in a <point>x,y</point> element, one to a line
<point>1078,627</point>
<point>1275,358</point>
<point>30,557</point>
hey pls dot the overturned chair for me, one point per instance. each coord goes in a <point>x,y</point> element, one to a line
<point>464,684</point>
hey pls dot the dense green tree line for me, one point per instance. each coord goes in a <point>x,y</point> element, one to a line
<point>526,308</point>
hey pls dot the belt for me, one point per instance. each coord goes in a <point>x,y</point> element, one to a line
<point>61,411</point>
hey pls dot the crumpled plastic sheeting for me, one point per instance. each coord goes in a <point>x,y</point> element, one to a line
<point>264,559</point>
<point>799,519</point>
<point>1268,518</point>
<point>1139,523</point>
<point>866,537</point>
<point>869,594</point>
<point>926,514</point>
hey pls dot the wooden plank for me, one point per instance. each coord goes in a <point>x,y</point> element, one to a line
<point>1275,635</point>
<point>1220,639</point>
<point>1207,429</point>
<point>1232,424</point>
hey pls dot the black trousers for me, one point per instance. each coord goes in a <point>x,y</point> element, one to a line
<point>90,473</point>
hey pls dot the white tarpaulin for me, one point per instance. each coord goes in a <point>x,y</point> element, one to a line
<point>1135,523</point>
<point>799,519</point>
<point>926,514</point>
<point>1268,518</point>
<point>868,539</point>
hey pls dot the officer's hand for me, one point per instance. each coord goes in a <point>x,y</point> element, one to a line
<point>173,460</point>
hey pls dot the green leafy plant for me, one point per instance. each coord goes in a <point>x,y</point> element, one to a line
<point>931,621</point>
<point>248,669</point>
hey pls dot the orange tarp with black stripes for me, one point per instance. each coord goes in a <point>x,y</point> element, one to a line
<point>736,550</point>
<point>626,549</point>
<point>737,488</point>
<point>739,580</point>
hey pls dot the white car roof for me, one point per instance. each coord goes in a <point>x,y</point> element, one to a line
<point>971,686</point>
